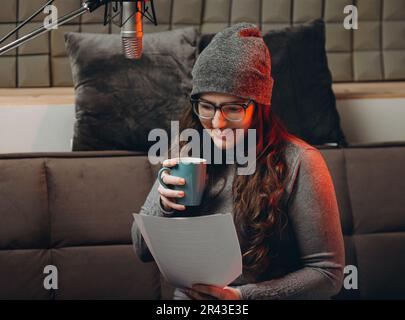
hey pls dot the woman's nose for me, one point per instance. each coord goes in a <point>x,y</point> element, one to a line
<point>218,121</point>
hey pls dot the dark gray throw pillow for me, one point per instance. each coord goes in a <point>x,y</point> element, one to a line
<point>302,94</point>
<point>118,101</point>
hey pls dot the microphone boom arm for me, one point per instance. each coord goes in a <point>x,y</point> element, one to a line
<point>145,13</point>
<point>26,21</point>
<point>36,33</point>
<point>87,6</point>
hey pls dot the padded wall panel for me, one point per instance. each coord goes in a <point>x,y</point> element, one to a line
<point>8,12</point>
<point>212,27</point>
<point>369,9</point>
<point>57,40</point>
<point>150,28</point>
<point>337,38</point>
<point>33,71</point>
<point>341,66</point>
<point>217,11</point>
<point>305,10</point>
<point>381,33</point>
<point>67,6</point>
<point>61,72</point>
<point>394,35</point>
<point>274,11</point>
<point>274,26</point>
<point>94,17</point>
<point>39,45</point>
<point>27,7</point>
<point>394,9</point>
<point>163,10</point>
<point>394,64</point>
<point>95,28</point>
<point>362,61</point>
<point>187,12</point>
<point>245,11</point>
<point>368,36</point>
<point>8,66</point>
<point>5,28</point>
<point>333,10</point>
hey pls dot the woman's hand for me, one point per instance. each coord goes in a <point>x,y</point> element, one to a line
<point>207,292</point>
<point>168,196</point>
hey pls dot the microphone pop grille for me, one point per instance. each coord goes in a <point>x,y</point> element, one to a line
<point>132,47</point>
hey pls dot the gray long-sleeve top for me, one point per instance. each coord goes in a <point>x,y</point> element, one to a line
<point>309,260</point>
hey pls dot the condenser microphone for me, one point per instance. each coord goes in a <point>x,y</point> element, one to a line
<point>131,14</point>
<point>131,31</point>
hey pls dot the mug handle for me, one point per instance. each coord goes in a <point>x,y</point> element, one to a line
<point>159,176</point>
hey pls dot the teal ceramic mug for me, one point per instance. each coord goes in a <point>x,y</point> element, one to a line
<point>194,171</point>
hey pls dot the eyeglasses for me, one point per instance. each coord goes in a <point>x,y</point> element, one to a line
<point>231,111</point>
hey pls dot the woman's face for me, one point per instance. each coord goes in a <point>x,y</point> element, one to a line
<point>222,130</point>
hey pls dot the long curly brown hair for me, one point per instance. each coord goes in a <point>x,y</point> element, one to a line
<point>258,215</point>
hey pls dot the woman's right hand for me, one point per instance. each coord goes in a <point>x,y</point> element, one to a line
<point>168,196</point>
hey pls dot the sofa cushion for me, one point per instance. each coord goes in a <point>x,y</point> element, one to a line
<point>23,204</point>
<point>104,272</point>
<point>21,272</point>
<point>83,194</point>
<point>73,211</point>
<point>119,101</point>
<point>379,207</point>
<point>369,184</point>
<point>335,158</point>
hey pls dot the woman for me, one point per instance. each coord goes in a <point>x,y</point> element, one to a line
<point>285,213</point>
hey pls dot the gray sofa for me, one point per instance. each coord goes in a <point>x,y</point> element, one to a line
<point>73,210</point>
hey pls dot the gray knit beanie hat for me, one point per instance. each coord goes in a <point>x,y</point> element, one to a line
<point>237,62</point>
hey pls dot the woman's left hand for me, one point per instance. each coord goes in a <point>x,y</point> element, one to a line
<point>207,292</point>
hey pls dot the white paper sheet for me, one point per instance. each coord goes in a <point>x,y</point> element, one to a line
<point>193,250</point>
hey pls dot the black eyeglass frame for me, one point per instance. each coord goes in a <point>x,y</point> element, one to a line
<point>245,105</point>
